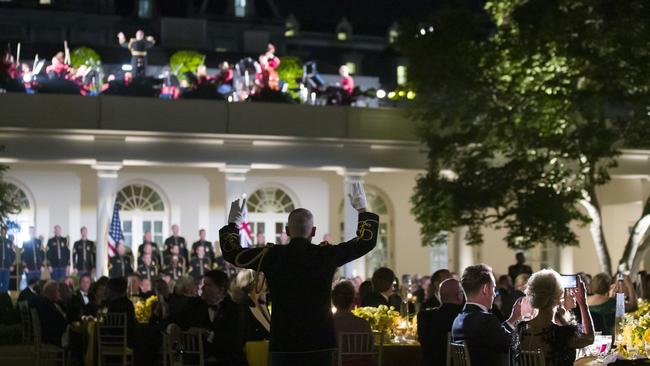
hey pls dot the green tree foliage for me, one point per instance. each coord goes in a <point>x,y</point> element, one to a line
<point>524,106</point>
<point>84,56</point>
<point>185,61</point>
<point>289,70</point>
<point>8,203</point>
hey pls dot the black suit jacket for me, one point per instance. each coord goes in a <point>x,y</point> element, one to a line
<point>487,339</point>
<point>374,299</point>
<point>27,295</point>
<point>433,327</point>
<point>300,275</point>
<point>124,305</point>
<point>53,321</point>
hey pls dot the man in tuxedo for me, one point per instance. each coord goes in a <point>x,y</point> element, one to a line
<point>80,298</point>
<point>435,324</point>
<point>215,312</point>
<point>299,276</point>
<point>382,288</point>
<point>487,339</point>
<point>29,293</point>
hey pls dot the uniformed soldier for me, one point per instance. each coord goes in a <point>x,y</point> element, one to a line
<point>147,269</point>
<point>120,264</point>
<point>199,264</point>
<point>58,255</point>
<point>209,252</point>
<point>175,239</point>
<point>33,256</point>
<point>7,259</point>
<point>138,47</point>
<point>175,267</point>
<point>155,251</point>
<point>83,257</point>
<point>175,251</point>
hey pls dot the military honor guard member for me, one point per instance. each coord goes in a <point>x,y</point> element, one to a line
<point>147,268</point>
<point>175,239</point>
<point>58,255</point>
<point>138,47</point>
<point>199,264</point>
<point>7,259</point>
<point>207,246</point>
<point>175,267</point>
<point>33,256</point>
<point>155,251</point>
<point>120,264</point>
<point>83,254</point>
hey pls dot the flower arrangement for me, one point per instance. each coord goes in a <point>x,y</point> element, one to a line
<point>635,331</point>
<point>381,319</point>
<point>143,309</point>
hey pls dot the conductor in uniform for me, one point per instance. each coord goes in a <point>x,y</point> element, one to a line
<point>302,332</point>
<point>83,255</point>
<point>138,47</point>
<point>209,252</point>
<point>175,239</point>
<point>120,264</point>
<point>33,256</point>
<point>7,259</point>
<point>58,255</point>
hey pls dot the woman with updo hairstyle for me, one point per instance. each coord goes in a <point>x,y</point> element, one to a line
<point>548,331</point>
<point>249,290</point>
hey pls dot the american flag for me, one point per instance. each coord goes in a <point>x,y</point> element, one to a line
<point>245,234</point>
<point>115,234</point>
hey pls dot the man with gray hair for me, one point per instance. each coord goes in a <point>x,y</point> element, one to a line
<point>300,277</point>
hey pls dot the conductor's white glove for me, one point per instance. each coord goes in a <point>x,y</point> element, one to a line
<point>236,215</point>
<point>358,197</point>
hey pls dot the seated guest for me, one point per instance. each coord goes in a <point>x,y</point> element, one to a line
<point>248,290</point>
<point>557,342</point>
<point>52,317</point>
<point>601,304</point>
<point>344,320</point>
<point>435,324</point>
<point>433,300</point>
<point>184,293</point>
<point>506,294</point>
<point>160,312</point>
<point>382,285</point>
<point>221,317</point>
<point>133,285</point>
<point>145,289</point>
<point>96,299</point>
<point>365,290</point>
<point>118,302</point>
<point>65,296</point>
<point>487,339</point>
<point>29,293</point>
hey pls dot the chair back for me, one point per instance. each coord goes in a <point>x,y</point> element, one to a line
<point>190,348</point>
<point>353,345</point>
<point>457,353</point>
<point>531,358</point>
<point>26,322</point>
<point>36,328</point>
<point>112,332</point>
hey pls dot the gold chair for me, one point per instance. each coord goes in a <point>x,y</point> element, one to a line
<point>111,340</point>
<point>26,350</point>
<point>457,353</point>
<point>352,345</point>
<point>190,348</point>
<point>531,358</point>
<point>45,354</point>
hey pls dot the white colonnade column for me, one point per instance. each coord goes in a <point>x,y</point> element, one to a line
<point>106,191</point>
<point>350,218</point>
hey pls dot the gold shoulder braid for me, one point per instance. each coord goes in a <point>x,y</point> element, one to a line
<point>260,256</point>
<point>364,231</point>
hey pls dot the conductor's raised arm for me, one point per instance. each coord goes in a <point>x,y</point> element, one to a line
<point>229,241</point>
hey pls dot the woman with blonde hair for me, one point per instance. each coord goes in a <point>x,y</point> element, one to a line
<point>547,331</point>
<point>249,290</point>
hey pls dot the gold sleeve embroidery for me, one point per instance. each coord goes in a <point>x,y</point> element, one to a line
<point>364,229</point>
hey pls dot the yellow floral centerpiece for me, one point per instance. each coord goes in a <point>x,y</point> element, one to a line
<point>635,331</point>
<point>143,309</point>
<point>381,319</point>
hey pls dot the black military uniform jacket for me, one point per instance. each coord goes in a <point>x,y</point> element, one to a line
<point>119,266</point>
<point>7,253</point>
<point>147,271</point>
<point>209,252</point>
<point>58,253</point>
<point>83,255</point>
<point>299,276</point>
<point>175,272</point>
<point>198,266</point>
<point>182,245</point>
<point>33,255</point>
<point>155,252</point>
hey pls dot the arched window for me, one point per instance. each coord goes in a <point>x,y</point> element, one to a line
<point>20,222</point>
<point>142,209</point>
<point>381,255</point>
<point>268,209</point>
